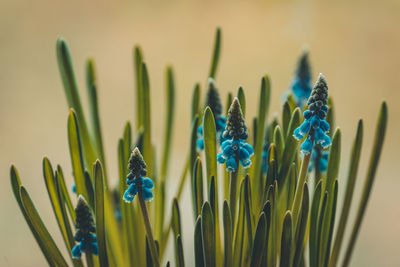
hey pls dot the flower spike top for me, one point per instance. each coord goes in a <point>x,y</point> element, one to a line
<point>315,126</point>
<point>138,184</point>
<point>86,229</point>
<point>301,84</point>
<point>214,102</point>
<point>234,148</point>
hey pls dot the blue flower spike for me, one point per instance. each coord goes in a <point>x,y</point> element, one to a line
<point>214,102</point>
<point>138,183</point>
<point>315,127</point>
<point>86,229</point>
<point>234,148</point>
<point>302,84</point>
<point>319,160</point>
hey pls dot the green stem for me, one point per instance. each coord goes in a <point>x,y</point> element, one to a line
<point>89,259</point>
<point>146,220</point>
<point>232,191</point>
<point>299,190</point>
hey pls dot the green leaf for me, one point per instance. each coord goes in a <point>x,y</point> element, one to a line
<point>351,181</point>
<point>76,154</point>
<point>267,211</point>
<point>198,244</point>
<point>228,235</point>
<point>313,238</point>
<point>176,219</point>
<point>240,229</point>
<point>216,54</point>
<point>94,111</point>
<point>287,241</point>
<point>211,197</point>
<point>258,247</point>
<point>64,190</point>
<point>210,146</point>
<point>301,226</point>
<point>180,261</point>
<point>146,117</point>
<point>99,213</point>
<point>54,199</point>
<point>373,165</point>
<point>286,115</point>
<point>46,242</point>
<point>195,101</point>
<point>138,60</point>
<point>279,142</point>
<point>321,216</point>
<point>208,236</point>
<point>242,100</point>
<point>261,118</point>
<point>169,120</point>
<point>327,247</point>
<point>89,188</point>
<point>290,150</point>
<point>71,91</point>
<point>198,187</point>
<point>193,156</point>
<point>330,115</point>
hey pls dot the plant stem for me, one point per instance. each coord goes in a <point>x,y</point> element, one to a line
<point>146,220</point>
<point>232,190</point>
<point>299,190</point>
<point>89,259</point>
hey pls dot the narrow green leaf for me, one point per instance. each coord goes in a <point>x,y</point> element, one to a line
<point>261,118</point>
<point>198,244</point>
<point>330,115</point>
<point>373,165</point>
<point>333,162</point>
<point>314,224</point>
<point>146,117</point>
<point>76,154</point>
<point>89,188</point>
<point>319,237</point>
<point>290,150</point>
<point>239,231</point>
<point>216,54</point>
<point>195,101</point>
<point>94,111</point>
<point>198,187</point>
<point>242,100</point>
<point>332,224</point>
<point>208,236</point>
<point>71,91</point>
<point>66,195</point>
<point>44,239</point>
<point>301,226</point>
<point>258,247</point>
<point>351,180</point>
<point>138,60</point>
<point>180,260</point>
<point>228,235</point>
<point>210,146</point>
<point>267,211</point>
<point>176,219</point>
<point>279,142</point>
<point>193,156</point>
<point>287,241</point>
<point>99,213</point>
<point>286,115</point>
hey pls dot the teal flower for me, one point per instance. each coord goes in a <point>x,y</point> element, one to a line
<point>319,160</point>
<point>301,83</point>
<point>138,184</point>
<point>234,149</point>
<point>86,229</point>
<point>214,102</point>
<point>315,126</point>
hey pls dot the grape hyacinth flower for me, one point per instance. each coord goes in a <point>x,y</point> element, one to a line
<point>86,229</point>
<point>319,160</point>
<point>214,102</point>
<point>301,83</point>
<point>315,126</point>
<point>234,148</point>
<point>138,184</point>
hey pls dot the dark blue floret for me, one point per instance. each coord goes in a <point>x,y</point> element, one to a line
<point>314,126</point>
<point>136,180</point>
<point>85,230</point>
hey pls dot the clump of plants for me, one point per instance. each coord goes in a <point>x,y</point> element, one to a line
<point>279,179</point>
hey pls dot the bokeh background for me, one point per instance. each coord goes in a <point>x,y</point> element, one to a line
<point>354,43</point>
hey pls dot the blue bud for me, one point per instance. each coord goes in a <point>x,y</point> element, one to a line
<point>307,114</point>
<point>228,150</point>
<point>297,134</point>
<point>220,158</point>
<point>243,154</point>
<point>148,183</point>
<point>147,194</point>
<point>94,248</point>
<point>76,252</point>
<point>305,127</point>
<point>324,125</point>
<point>315,122</point>
<point>249,148</point>
<point>231,165</point>
<point>306,147</point>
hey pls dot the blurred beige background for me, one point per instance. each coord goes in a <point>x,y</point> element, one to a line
<point>353,43</point>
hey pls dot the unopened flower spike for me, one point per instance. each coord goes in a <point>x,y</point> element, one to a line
<point>138,183</point>
<point>86,228</point>
<point>315,127</point>
<point>301,84</point>
<point>234,148</point>
<point>214,102</point>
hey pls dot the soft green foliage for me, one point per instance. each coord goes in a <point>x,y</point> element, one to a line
<point>250,217</point>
